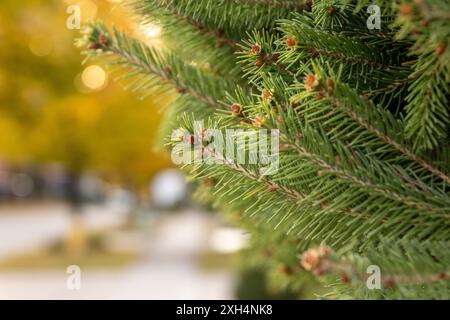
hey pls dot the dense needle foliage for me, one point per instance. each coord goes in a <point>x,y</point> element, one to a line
<point>363,118</point>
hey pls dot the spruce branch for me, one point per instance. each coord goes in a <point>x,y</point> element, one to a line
<point>408,268</point>
<point>428,115</point>
<point>390,141</point>
<point>367,64</point>
<point>197,24</point>
<point>345,100</point>
<point>233,18</point>
<point>371,186</point>
<point>288,4</point>
<point>136,59</point>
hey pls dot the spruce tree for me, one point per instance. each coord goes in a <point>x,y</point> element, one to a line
<point>363,179</point>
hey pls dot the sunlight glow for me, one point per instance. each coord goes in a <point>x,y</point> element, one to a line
<point>94,77</point>
<point>152,31</point>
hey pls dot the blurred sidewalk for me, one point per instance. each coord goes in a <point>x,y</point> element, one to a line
<point>27,227</point>
<point>168,269</point>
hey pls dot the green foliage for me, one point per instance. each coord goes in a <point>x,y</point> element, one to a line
<point>363,125</point>
<point>49,115</point>
<point>428,113</point>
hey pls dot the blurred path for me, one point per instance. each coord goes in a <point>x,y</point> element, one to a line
<point>168,270</point>
<point>25,228</point>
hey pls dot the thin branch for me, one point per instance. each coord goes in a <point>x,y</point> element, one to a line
<point>219,34</point>
<point>178,84</point>
<point>289,4</point>
<point>388,140</point>
<point>292,194</point>
<point>348,176</point>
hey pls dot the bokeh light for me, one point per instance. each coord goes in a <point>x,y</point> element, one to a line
<point>94,77</point>
<point>151,31</point>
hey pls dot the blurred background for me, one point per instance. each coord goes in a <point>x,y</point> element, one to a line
<point>83,182</point>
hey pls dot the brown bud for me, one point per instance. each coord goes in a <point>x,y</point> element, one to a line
<point>442,275</point>
<point>319,96</point>
<point>440,50</point>
<point>236,108</point>
<point>406,10</point>
<point>94,46</point>
<point>266,95</point>
<point>259,62</point>
<point>259,121</point>
<point>103,39</point>
<point>209,182</point>
<point>311,82</point>
<point>310,260</point>
<point>330,84</point>
<point>345,278</point>
<point>389,282</point>
<point>309,5</point>
<point>168,70</point>
<point>256,49</point>
<point>272,188</point>
<point>317,260</point>
<point>275,57</point>
<point>220,32</point>
<point>425,23</point>
<point>285,269</point>
<point>291,41</point>
<point>331,10</point>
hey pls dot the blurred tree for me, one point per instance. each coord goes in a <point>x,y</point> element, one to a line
<point>100,135</point>
<point>52,111</point>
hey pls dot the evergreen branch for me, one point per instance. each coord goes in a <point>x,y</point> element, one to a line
<point>369,63</point>
<point>199,25</point>
<point>433,9</point>
<point>337,96</point>
<point>350,271</point>
<point>288,4</point>
<point>353,173</point>
<point>270,184</point>
<point>289,193</point>
<point>180,86</point>
<point>367,184</point>
<point>388,140</point>
<point>420,266</point>
<point>428,115</point>
<point>397,85</point>
<point>230,16</point>
<point>146,61</point>
<point>337,45</point>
